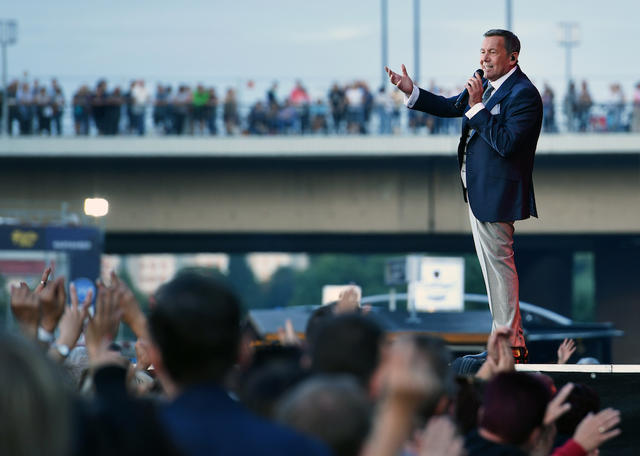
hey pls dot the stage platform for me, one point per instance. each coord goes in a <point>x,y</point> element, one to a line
<point>618,386</point>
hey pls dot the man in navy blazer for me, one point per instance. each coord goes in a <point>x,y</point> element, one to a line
<point>500,129</point>
<point>195,341</point>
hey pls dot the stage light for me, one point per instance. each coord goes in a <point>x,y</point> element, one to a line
<point>96,207</point>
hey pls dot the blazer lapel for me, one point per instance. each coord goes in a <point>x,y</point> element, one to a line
<point>504,90</point>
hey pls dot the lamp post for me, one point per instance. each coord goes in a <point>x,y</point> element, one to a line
<point>569,37</point>
<point>416,40</point>
<point>384,39</point>
<point>8,35</point>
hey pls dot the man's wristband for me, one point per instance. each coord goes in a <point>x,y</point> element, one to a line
<point>44,335</point>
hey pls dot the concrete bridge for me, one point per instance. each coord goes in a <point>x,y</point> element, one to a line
<point>367,194</point>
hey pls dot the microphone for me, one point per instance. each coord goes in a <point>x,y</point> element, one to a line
<point>464,96</point>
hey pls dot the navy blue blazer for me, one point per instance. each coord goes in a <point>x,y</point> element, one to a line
<point>501,152</point>
<point>205,421</point>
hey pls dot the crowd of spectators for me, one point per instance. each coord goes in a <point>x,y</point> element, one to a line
<point>201,384</point>
<point>346,109</point>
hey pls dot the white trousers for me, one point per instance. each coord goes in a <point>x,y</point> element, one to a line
<point>494,246</point>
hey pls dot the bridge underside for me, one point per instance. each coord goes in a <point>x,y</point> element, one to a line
<point>378,195</point>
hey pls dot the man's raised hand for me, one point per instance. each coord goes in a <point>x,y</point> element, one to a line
<point>401,81</point>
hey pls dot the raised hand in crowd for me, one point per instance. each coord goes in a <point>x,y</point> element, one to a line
<point>408,381</point>
<point>596,429</point>
<point>499,355</point>
<point>52,298</point>
<point>126,301</point>
<point>348,302</point>
<point>565,350</point>
<point>44,279</point>
<point>287,335</point>
<point>557,406</point>
<point>401,81</point>
<point>26,309</point>
<point>143,361</point>
<point>103,326</point>
<point>440,438</point>
<point>71,324</point>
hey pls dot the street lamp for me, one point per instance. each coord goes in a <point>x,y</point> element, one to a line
<point>384,39</point>
<point>96,207</point>
<point>416,40</point>
<point>569,37</point>
<point>8,35</point>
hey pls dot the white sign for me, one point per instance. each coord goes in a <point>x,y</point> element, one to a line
<point>440,286</point>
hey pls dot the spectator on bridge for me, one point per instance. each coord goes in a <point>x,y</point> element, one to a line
<point>180,107</point>
<point>160,109</point>
<point>398,104</point>
<point>384,109</point>
<point>211,112</point>
<point>113,111</point>
<point>299,95</point>
<point>299,98</point>
<point>81,105</point>
<point>25,103</point>
<point>319,113</point>
<point>140,98</point>
<point>615,108</point>
<point>58,104</point>
<point>257,120</point>
<point>44,110</point>
<point>355,98</point>
<point>12,103</point>
<point>368,107</point>
<point>583,108</point>
<point>338,106</point>
<point>199,102</point>
<point>288,119</point>
<point>548,108</point>
<point>99,107</point>
<point>272,94</point>
<point>571,107</point>
<point>635,116</point>
<point>230,114</point>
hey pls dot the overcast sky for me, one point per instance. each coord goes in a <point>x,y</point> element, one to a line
<point>229,42</point>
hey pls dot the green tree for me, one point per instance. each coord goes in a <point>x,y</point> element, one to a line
<point>243,282</point>
<point>279,290</point>
<point>367,271</point>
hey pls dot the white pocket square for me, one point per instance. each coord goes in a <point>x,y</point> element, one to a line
<point>496,109</point>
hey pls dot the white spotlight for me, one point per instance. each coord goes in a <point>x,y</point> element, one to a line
<point>96,207</point>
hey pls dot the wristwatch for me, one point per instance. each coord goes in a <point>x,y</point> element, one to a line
<point>62,349</point>
<point>44,335</point>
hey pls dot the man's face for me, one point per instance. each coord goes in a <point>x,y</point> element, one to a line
<point>494,59</point>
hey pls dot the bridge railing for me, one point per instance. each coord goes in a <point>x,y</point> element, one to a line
<point>309,120</point>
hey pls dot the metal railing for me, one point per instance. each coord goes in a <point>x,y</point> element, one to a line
<point>599,118</point>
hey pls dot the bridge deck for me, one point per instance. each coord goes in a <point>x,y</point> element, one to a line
<point>297,146</point>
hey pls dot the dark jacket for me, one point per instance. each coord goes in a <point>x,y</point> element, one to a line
<point>500,154</point>
<point>205,421</point>
<point>476,445</point>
